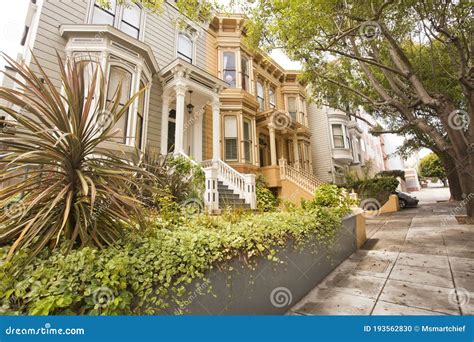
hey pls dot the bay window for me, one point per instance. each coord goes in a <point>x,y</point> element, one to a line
<point>140,117</point>
<point>185,47</point>
<point>292,108</point>
<point>119,77</point>
<point>230,70</point>
<point>245,73</point>
<point>230,137</point>
<point>338,136</point>
<point>272,98</point>
<point>247,140</point>
<point>260,96</point>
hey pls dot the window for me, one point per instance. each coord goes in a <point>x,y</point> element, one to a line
<point>230,136</point>
<point>245,73</point>
<point>348,141</point>
<point>104,15</point>
<point>140,116</point>
<point>229,68</point>
<point>247,140</point>
<point>337,136</point>
<point>127,20</point>
<point>185,47</point>
<point>260,96</point>
<point>272,97</point>
<point>131,18</point>
<point>119,77</point>
<point>171,130</point>
<point>292,110</point>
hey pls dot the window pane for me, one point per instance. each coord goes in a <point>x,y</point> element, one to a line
<point>230,127</point>
<point>260,96</point>
<point>337,129</point>
<point>130,30</point>
<point>119,77</point>
<point>229,68</point>
<point>104,15</point>
<point>272,98</point>
<point>131,15</point>
<point>247,141</point>
<point>231,148</point>
<point>185,47</point>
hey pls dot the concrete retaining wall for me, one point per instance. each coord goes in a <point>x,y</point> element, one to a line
<point>270,288</point>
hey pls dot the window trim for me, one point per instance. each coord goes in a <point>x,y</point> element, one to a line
<point>292,96</point>
<point>192,38</point>
<point>342,136</point>
<point>235,70</point>
<point>245,76</point>
<point>231,138</point>
<point>272,90</point>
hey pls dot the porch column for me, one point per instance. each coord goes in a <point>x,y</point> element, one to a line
<point>197,135</point>
<point>273,154</point>
<point>164,124</point>
<point>179,136</point>
<point>296,151</point>
<point>216,128</point>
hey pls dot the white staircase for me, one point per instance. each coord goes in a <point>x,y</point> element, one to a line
<point>220,177</point>
<point>303,179</point>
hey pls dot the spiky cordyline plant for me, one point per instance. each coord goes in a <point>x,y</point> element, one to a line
<point>65,187</point>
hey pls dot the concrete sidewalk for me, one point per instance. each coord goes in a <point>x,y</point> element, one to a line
<point>416,262</point>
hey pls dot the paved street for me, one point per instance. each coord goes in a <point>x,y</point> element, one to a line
<point>416,262</point>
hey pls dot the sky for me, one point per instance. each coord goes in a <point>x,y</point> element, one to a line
<point>12,21</point>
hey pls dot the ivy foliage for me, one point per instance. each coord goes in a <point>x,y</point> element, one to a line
<point>146,273</point>
<point>330,196</point>
<point>379,188</point>
<point>266,200</point>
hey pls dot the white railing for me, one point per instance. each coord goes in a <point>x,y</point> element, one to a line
<point>304,179</point>
<point>242,185</point>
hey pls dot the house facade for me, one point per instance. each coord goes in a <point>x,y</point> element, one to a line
<point>343,145</point>
<point>208,96</point>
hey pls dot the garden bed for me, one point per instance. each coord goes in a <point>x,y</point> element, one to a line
<point>269,288</point>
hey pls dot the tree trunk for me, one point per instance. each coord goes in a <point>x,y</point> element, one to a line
<point>466,177</point>
<point>453,177</point>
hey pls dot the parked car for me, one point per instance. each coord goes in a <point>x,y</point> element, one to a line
<point>406,200</point>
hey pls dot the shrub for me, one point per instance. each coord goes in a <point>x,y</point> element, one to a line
<point>266,200</point>
<point>392,173</point>
<point>175,178</point>
<point>72,190</point>
<point>378,188</point>
<point>144,273</point>
<point>330,196</point>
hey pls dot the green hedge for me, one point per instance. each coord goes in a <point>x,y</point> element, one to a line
<point>144,273</point>
<point>378,188</point>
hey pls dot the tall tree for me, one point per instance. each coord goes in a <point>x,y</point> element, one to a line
<point>432,167</point>
<point>395,58</point>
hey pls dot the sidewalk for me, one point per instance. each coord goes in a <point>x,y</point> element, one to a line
<point>416,262</point>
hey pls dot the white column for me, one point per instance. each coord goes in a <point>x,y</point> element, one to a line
<point>295,151</point>
<point>197,135</point>
<point>273,156</point>
<point>216,129</point>
<point>179,136</point>
<point>164,124</point>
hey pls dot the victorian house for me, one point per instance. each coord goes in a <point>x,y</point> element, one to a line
<point>235,111</point>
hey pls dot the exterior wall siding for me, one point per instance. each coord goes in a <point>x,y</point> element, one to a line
<point>320,143</point>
